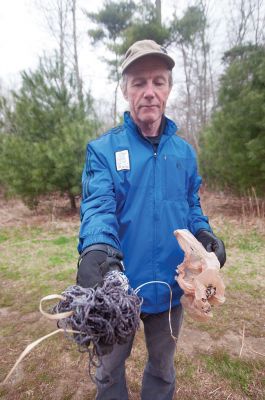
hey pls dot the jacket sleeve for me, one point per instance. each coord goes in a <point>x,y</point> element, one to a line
<point>197,220</point>
<point>98,207</point>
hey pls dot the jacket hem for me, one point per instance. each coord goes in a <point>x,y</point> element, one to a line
<point>158,308</point>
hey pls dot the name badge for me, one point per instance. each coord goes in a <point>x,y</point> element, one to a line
<point>122,160</point>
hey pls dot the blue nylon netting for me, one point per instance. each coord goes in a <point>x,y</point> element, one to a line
<point>103,316</point>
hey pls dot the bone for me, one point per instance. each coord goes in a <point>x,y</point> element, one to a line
<point>199,277</point>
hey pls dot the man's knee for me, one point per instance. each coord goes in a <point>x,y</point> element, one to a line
<point>163,372</point>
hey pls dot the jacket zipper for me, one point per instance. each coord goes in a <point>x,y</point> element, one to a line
<point>155,154</point>
<point>155,225</point>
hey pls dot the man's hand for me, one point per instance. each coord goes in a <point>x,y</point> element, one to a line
<point>211,243</point>
<point>95,261</point>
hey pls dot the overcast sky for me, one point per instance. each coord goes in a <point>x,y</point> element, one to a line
<point>24,36</point>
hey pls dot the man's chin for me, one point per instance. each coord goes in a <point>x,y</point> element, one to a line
<point>149,119</point>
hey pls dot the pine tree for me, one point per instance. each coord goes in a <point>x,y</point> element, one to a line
<point>233,145</point>
<point>44,150</point>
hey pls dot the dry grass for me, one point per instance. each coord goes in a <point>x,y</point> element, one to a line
<point>38,257</point>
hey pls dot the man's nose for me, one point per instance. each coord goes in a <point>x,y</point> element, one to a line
<point>149,91</point>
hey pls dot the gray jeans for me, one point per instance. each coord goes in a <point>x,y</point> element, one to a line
<point>159,373</point>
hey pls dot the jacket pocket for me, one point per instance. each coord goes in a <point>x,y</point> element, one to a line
<point>175,178</point>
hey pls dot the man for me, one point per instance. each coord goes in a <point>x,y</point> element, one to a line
<point>140,183</point>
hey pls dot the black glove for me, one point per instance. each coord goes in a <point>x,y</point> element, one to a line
<point>211,243</point>
<point>95,261</point>
<point>93,264</point>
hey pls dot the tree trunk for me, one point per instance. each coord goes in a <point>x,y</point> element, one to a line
<point>158,12</point>
<point>187,84</point>
<point>117,86</point>
<point>76,63</point>
<point>212,86</point>
<point>115,103</point>
<point>62,43</point>
<point>72,201</point>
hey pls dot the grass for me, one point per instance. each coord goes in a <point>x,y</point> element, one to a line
<point>244,276</point>
<point>186,368</point>
<point>43,258</point>
<point>238,372</point>
<point>243,239</point>
<point>40,259</point>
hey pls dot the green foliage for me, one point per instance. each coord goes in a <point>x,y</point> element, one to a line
<point>185,29</point>
<point>145,26</point>
<point>233,145</point>
<point>120,24</point>
<point>112,19</point>
<point>5,109</point>
<point>140,31</point>
<point>43,150</point>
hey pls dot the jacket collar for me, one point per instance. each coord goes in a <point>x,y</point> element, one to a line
<point>169,130</point>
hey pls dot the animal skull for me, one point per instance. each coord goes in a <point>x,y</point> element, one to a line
<point>199,277</point>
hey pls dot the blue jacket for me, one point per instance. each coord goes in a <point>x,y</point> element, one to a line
<point>133,199</point>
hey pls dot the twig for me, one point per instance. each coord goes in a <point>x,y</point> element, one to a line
<point>257,202</point>
<point>243,340</point>
<point>246,346</point>
<point>256,352</point>
<point>229,396</point>
<point>215,390</point>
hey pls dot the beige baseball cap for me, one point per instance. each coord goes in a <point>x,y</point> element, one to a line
<point>144,48</point>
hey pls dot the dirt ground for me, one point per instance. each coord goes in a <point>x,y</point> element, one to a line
<point>65,367</point>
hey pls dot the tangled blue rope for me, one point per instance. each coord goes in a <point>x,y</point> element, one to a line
<point>103,316</point>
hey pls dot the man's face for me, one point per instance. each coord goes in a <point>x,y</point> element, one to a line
<point>147,89</point>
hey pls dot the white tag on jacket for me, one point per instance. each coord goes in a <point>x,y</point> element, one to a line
<point>122,160</point>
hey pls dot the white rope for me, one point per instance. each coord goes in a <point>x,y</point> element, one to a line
<point>38,341</point>
<point>31,346</point>
<point>54,316</point>
<point>170,302</point>
<point>69,313</point>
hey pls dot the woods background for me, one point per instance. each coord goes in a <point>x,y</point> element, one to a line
<point>46,119</point>
<point>218,99</point>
